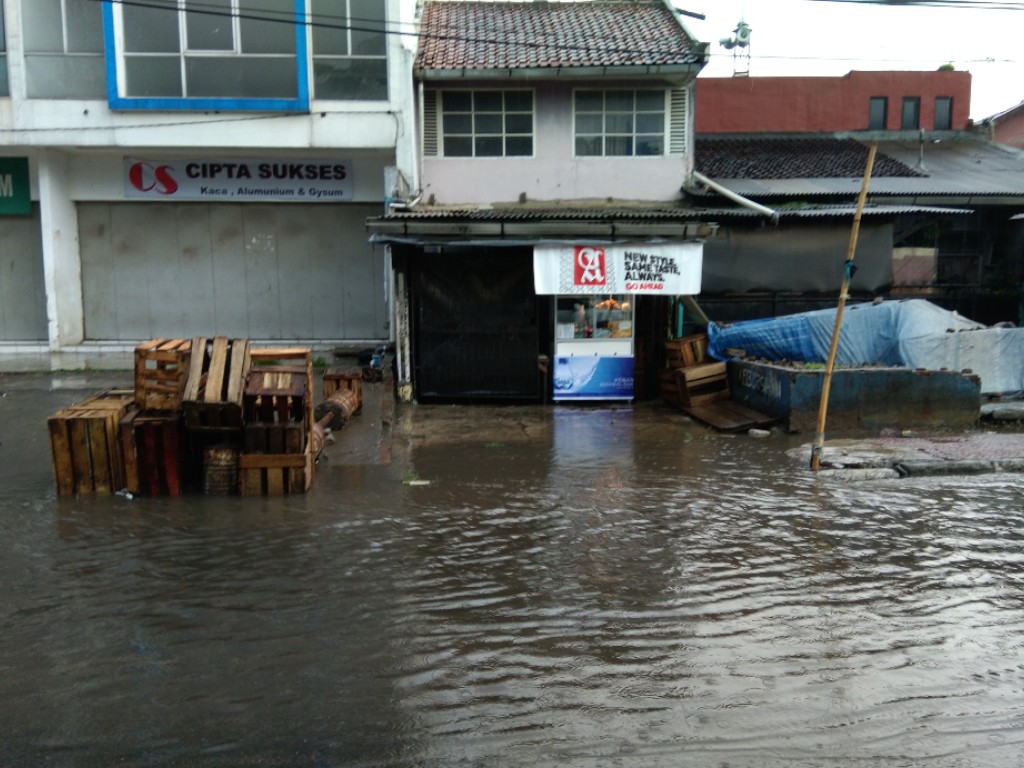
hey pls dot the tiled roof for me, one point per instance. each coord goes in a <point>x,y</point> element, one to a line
<point>816,158</point>
<point>485,35</point>
<point>774,168</point>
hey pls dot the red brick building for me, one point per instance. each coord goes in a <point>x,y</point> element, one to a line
<point>857,101</point>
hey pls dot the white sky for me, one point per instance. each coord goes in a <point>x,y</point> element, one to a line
<point>812,37</point>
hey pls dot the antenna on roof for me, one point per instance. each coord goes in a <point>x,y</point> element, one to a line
<point>739,44</point>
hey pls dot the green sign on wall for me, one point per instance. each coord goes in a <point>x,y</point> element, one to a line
<point>15,194</point>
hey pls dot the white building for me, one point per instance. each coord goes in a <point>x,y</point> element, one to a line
<point>169,171</point>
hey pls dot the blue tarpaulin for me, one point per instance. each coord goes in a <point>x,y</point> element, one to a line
<point>911,333</point>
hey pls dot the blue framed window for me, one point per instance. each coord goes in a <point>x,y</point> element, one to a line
<point>246,55</point>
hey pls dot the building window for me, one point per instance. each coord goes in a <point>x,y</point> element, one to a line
<point>5,89</point>
<point>878,113</point>
<point>63,42</point>
<point>349,50</point>
<point>943,113</point>
<point>487,123</point>
<point>207,54</point>
<point>619,123</point>
<point>911,116</point>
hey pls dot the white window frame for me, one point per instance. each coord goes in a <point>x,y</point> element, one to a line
<point>604,135</point>
<point>473,135</point>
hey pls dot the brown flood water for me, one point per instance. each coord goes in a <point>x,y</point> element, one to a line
<point>571,587</point>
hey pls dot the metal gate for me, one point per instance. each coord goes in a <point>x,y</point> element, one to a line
<point>476,334</point>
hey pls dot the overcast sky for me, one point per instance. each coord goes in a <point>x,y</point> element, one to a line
<point>815,37</point>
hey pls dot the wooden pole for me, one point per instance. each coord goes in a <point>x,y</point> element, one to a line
<point>826,385</point>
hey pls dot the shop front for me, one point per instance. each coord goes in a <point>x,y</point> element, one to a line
<point>534,321</point>
<point>596,288</point>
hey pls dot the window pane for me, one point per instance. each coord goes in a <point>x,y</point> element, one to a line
<point>488,124</point>
<point>330,38</point>
<point>350,79</point>
<point>368,37</point>
<point>650,101</point>
<point>943,113</point>
<point>41,26</point>
<point>589,101</point>
<point>461,101</point>
<point>457,123</point>
<point>619,124</point>
<point>619,146</point>
<point>488,101</point>
<point>65,77</point>
<point>877,113</point>
<point>85,26</point>
<point>619,101</point>
<point>489,146</point>
<point>150,30</point>
<point>588,147</point>
<point>519,146</point>
<point>649,145</point>
<point>5,88</point>
<point>152,76</point>
<point>210,31</point>
<point>518,124</point>
<point>275,35</point>
<point>589,123</point>
<point>648,123</point>
<point>911,114</point>
<point>519,101</point>
<point>461,146</point>
<point>240,77</point>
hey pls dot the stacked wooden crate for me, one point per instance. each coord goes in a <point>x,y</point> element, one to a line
<point>247,413</point>
<point>682,354</point>
<point>153,439</point>
<point>278,458</point>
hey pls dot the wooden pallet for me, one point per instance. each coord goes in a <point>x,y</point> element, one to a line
<point>703,393</point>
<point>85,445</point>
<point>161,373</point>
<point>156,453</point>
<point>212,400</point>
<point>729,416</point>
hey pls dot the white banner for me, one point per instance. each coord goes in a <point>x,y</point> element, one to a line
<point>270,179</point>
<point>670,269</point>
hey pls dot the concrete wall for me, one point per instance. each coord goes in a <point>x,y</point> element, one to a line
<point>798,104</point>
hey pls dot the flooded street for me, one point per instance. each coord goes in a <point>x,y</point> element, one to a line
<point>533,586</point>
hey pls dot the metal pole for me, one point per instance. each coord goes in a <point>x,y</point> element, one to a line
<point>826,384</point>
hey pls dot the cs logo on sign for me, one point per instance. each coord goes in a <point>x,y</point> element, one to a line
<point>147,177</point>
<point>589,266</point>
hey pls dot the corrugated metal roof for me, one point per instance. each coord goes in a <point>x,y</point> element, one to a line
<point>958,168</point>
<point>480,36</point>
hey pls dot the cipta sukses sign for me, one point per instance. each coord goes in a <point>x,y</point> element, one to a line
<point>239,179</point>
<point>670,269</point>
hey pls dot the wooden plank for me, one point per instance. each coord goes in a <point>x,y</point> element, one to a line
<point>99,455</point>
<point>80,461</point>
<point>264,460</point>
<point>60,448</point>
<point>194,382</point>
<point>131,463</point>
<point>241,360</point>
<point>729,416</point>
<point>218,367</point>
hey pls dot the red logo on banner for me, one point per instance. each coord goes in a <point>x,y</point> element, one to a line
<point>589,266</point>
<point>147,178</point>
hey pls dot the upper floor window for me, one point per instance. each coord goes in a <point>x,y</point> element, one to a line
<point>619,123</point>
<point>487,123</point>
<point>910,119</point>
<point>349,49</point>
<point>943,113</point>
<point>4,86</point>
<point>213,54</point>
<point>63,42</point>
<point>878,113</point>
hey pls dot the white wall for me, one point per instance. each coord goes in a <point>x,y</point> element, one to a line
<point>553,173</point>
